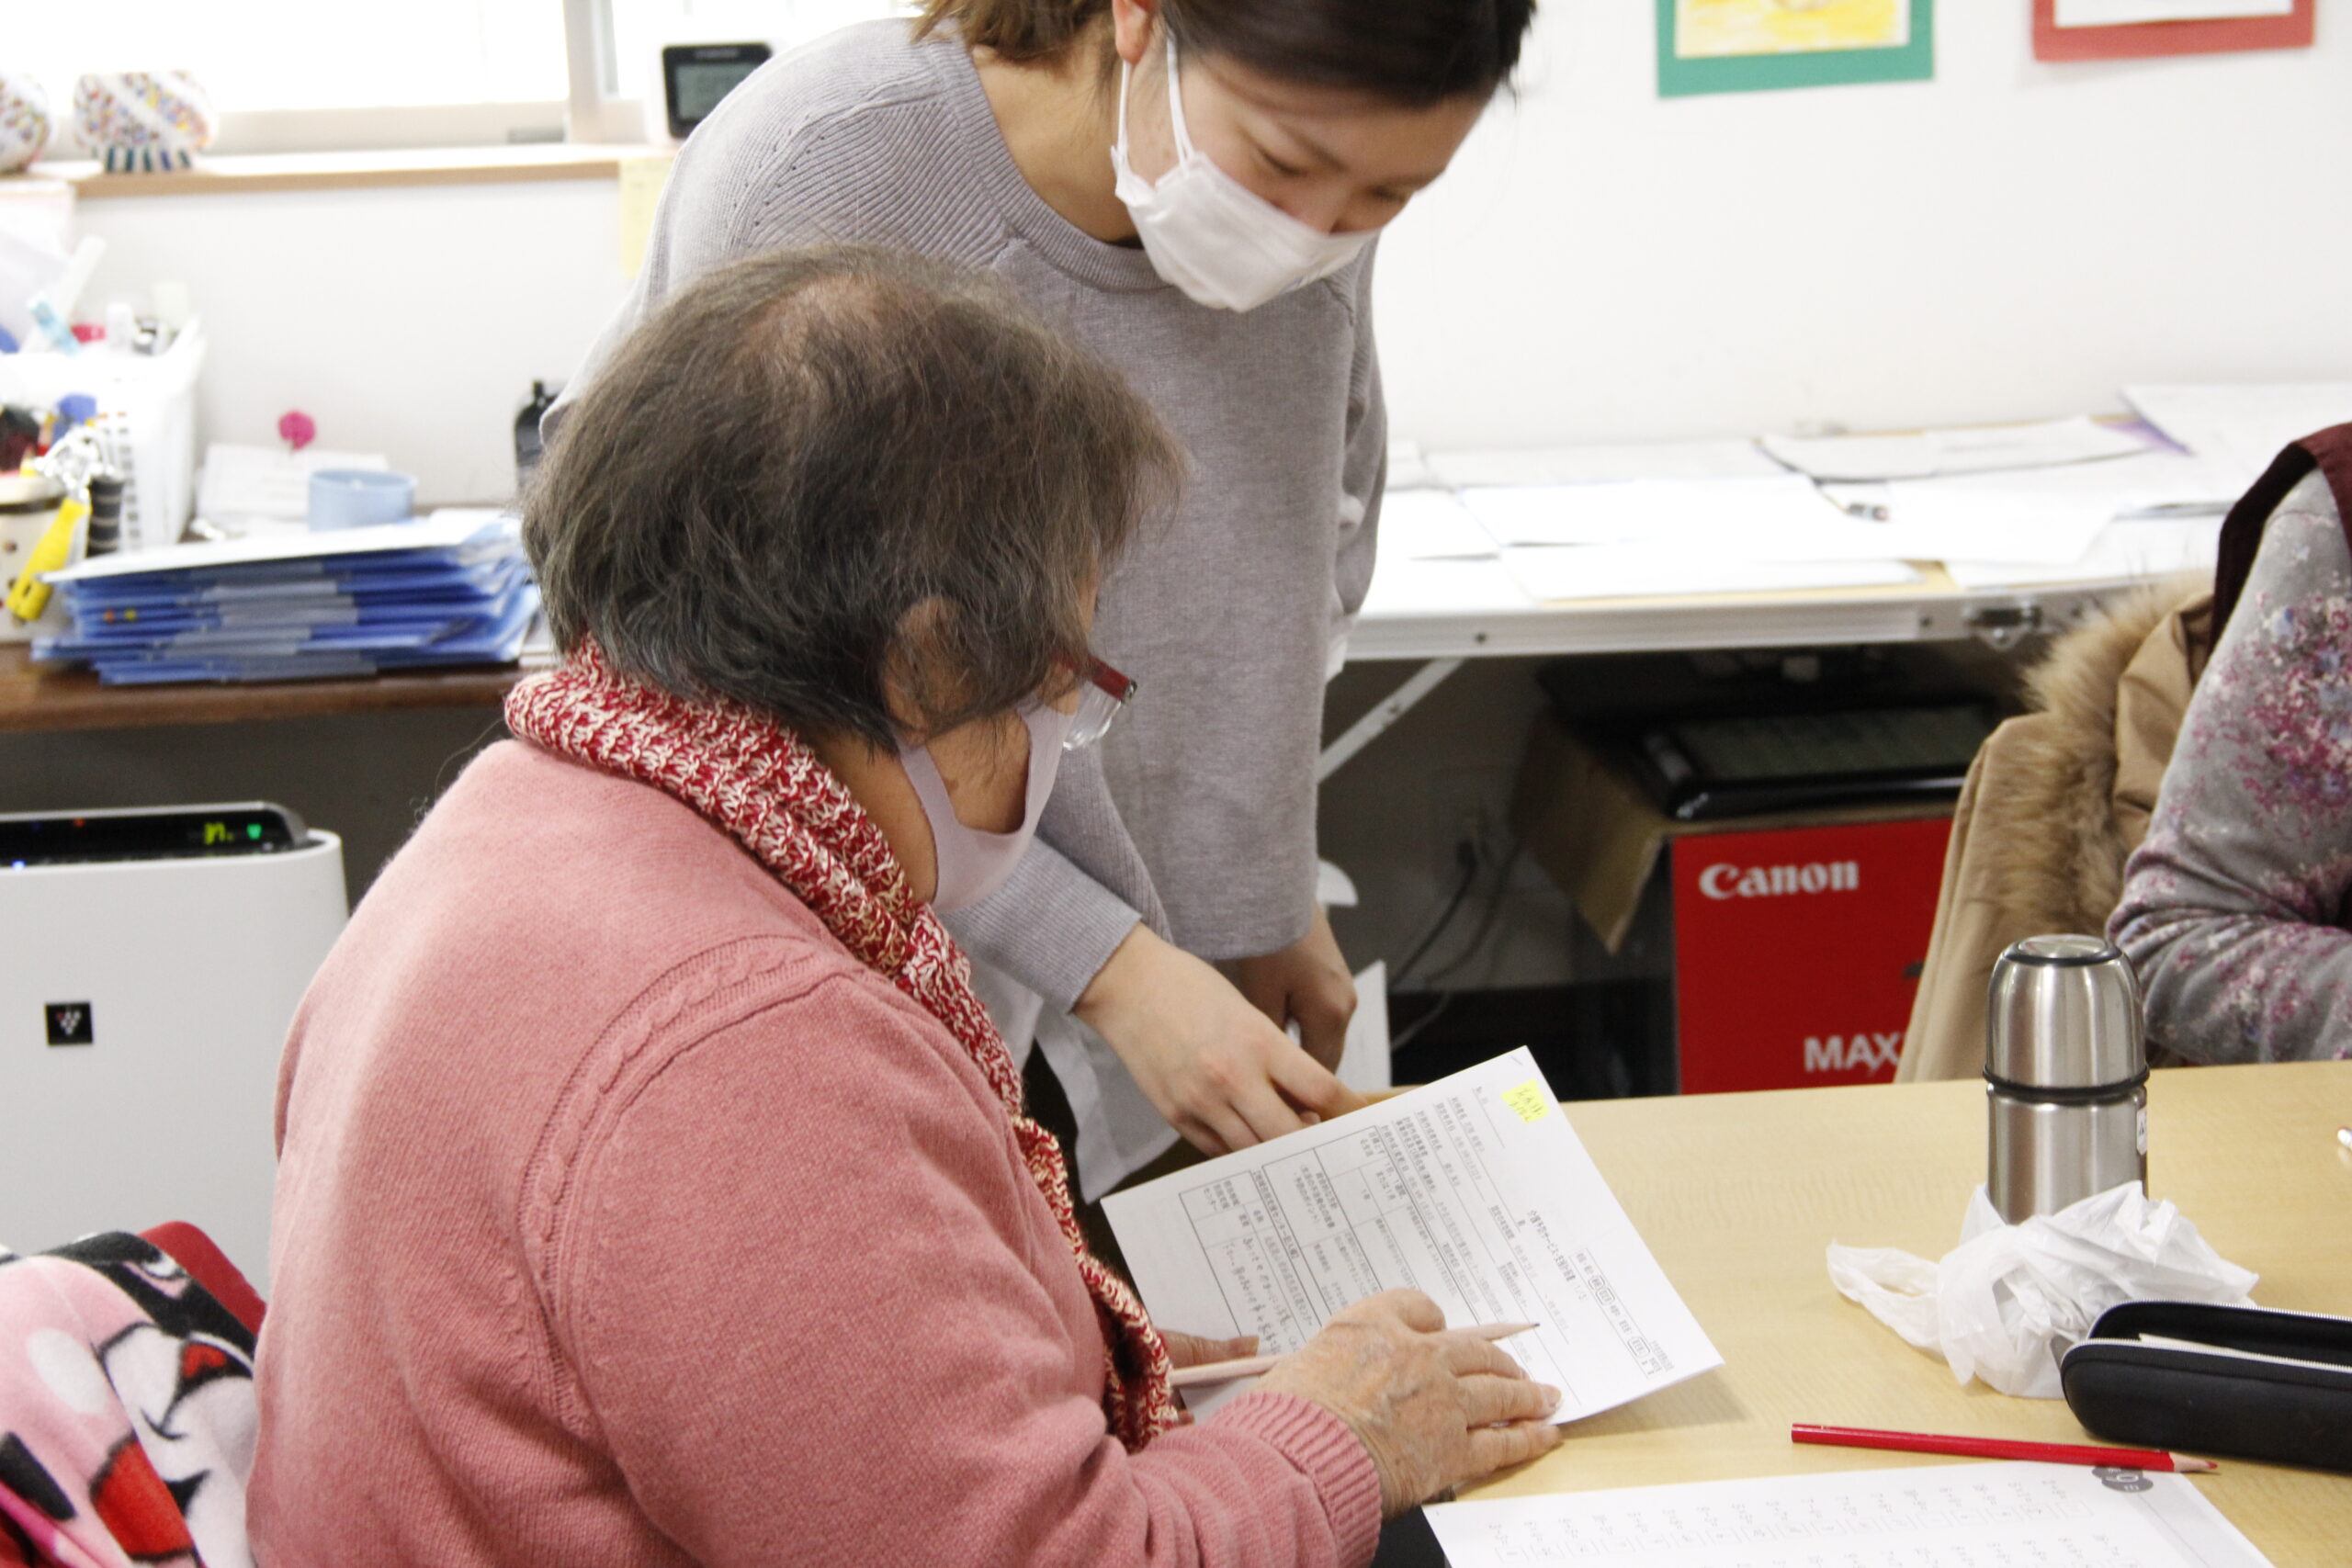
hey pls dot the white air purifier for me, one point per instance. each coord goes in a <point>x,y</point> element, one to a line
<point>150,964</point>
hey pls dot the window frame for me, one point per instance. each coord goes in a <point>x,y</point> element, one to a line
<point>592,112</point>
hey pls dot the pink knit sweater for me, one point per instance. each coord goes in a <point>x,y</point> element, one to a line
<point>624,1218</point>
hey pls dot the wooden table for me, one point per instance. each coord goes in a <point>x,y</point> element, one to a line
<point>44,697</point>
<point>1738,1194</point>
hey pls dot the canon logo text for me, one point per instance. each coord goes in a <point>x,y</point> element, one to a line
<point>1724,880</point>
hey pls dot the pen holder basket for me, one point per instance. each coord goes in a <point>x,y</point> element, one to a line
<point>146,423</point>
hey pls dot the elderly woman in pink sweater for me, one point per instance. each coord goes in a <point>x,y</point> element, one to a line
<point>653,1188</point>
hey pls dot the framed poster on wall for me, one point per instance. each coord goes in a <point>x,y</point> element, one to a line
<point>2139,29</point>
<point>1746,46</point>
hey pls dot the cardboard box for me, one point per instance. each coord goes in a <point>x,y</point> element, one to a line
<point>1797,937</point>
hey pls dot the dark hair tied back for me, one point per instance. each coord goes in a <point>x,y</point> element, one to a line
<point>1414,51</point>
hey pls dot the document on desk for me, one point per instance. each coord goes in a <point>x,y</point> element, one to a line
<point>2242,427</point>
<point>1403,588</point>
<point>1473,1189</point>
<point>1552,573</point>
<point>1782,517</point>
<point>1430,525</point>
<point>1956,1516</point>
<point>1971,449</point>
<point>1722,459</point>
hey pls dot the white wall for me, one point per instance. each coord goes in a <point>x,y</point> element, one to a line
<point>405,321</point>
<point>2010,239</point>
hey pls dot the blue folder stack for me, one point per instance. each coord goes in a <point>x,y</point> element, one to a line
<point>451,589</point>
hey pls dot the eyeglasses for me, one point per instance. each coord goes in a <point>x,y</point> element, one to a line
<point>1101,697</point>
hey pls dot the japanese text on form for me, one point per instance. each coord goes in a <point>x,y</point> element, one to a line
<point>1472,1190</point>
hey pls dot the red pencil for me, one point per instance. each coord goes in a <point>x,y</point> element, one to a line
<point>1997,1448</point>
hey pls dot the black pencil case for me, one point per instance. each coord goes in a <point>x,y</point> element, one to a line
<point>2275,1386</point>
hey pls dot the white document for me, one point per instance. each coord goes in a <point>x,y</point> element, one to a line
<point>2242,428</point>
<point>1925,454</point>
<point>2124,12</point>
<point>1957,1516</point>
<point>1551,573</point>
<point>264,481</point>
<point>1756,518</point>
<point>447,529</point>
<point>2124,551</point>
<point>1724,459</point>
<point>1787,519</point>
<point>2048,516</point>
<point>1430,525</point>
<point>1402,588</point>
<point>1473,1188</point>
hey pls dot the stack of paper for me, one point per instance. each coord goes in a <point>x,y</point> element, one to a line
<point>2043,518</point>
<point>1969,449</point>
<point>1641,537</point>
<point>452,590</point>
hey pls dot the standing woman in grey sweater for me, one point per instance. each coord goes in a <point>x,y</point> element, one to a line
<point>1191,188</point>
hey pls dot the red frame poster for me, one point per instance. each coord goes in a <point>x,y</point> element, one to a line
<point>2142,40</point>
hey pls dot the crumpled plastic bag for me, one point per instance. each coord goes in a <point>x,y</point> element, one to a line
<point>2009,1300</point>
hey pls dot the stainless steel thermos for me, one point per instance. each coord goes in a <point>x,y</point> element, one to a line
<point>2065,1074</point>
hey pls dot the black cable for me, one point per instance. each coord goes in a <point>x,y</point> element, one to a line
<point>1485,921</point>
<point>1468,855</point>
<point>1405,1035</point>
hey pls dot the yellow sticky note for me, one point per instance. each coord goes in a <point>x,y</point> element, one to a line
<point>641,181</point>
<point>1529,1100</point>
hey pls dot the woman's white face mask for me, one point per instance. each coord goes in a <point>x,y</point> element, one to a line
<point>1223,244</point>
<point>973,863</point>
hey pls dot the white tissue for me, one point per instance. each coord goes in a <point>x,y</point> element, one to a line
<point>2005,1302</point>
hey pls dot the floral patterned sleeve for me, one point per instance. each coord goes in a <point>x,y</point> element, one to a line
<point>2234,909</point>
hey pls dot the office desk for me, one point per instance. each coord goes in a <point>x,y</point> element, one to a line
<point>1439,611</point>
<point>1468,609</point>
<point>1738,1195</point>
<point>45,697</point>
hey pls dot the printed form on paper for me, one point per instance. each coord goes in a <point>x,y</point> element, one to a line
<point>1955,1516</point>
<point>1473,1189</point>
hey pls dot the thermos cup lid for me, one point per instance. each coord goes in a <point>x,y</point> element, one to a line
<point>2063,1013</point>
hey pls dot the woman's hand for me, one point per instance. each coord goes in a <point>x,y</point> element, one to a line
<point>1216,1066</point>
<point>1308,984</point>
<point>1435,1410</point>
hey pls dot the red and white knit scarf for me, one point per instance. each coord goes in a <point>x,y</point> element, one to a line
<point>761,783</point>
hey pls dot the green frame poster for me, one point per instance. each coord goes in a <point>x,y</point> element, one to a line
<point>1681,78</point>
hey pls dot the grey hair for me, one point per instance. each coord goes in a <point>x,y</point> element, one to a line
<point>818,474</point>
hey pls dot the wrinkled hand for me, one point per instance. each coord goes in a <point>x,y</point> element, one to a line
<point>1216,1066</point>
<point>1435,1410</point>
<point>1308,984</point>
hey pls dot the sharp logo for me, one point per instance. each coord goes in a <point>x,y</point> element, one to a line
<point>1724,880</point>
<point>1844,1053</point>
<point>69,1023</point>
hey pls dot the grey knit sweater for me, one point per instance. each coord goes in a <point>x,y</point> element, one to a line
<point>2237,909</point>
<point>1198,811</point>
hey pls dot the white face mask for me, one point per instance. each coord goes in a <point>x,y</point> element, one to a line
<point>1223,244</point>
<point>973,863</point>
